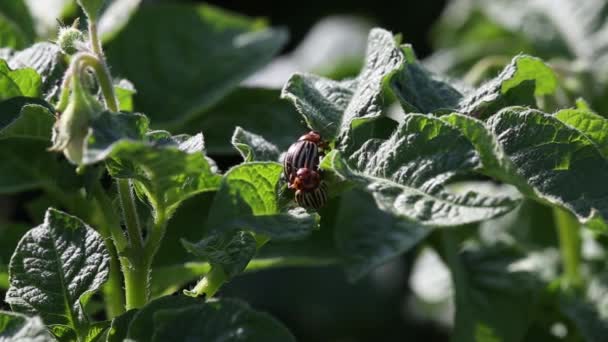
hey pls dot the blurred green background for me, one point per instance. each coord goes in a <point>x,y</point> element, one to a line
<point>408,299</point>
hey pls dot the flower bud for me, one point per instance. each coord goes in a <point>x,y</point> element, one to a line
<point>69,38</point>
<point>72,126</point>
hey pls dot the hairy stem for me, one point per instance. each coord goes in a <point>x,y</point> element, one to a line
<point>134,264</point>
<point>94,38</point>
<point>156,235</point>
<point>129,210</point>
<point>115,300</point>
<point>137,280</point>
<point>570,247</point>
<point>112,290</point>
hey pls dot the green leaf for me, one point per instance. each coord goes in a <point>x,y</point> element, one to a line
<point>256,110</point>
<point>16,26</point>
<point>167,174</point>
<point>593,126</point>
<point>495,295</point>
<point>168,169</point>
<point>548,156</point>
<point>232,250</point>
<point>189,63</point>
<point>247,199</point>
<point>18,82</point>
<point>31,121</point>
<point>419,90</point>
<point>331,107</point>
<point>16,327</point>
<point>110,129</point>
<point>120,325</point>
<point>216,321</point>
<point>518,84</point>
<point>407,174</point>
<point>97,331</point>
<point>125,91</point>
<point>141,326</point>
<point>27,165</point>
<point>253,147</point>
<point>48,61</point>
<point>55,269</point>
<point>369,237</point>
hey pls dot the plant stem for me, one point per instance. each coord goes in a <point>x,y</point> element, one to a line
<point>110,227</point>
<point>570,247</point>
<point>94,38</point>
<point>112,290</point>
<point>156,235</point>
<point>134,263</point>
<point>127,202</point>
<point>103,77</point>
<point>209,284</point>
<point>137,276</point>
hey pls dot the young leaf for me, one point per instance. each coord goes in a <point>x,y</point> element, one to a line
<point>55,269</point>
<point>407,174</point>
<point>518,84</point>
<point>16,327</point>
<point>419,90</point>
<point>231,250</point>
<point>368,237</point>
<point>18,82</point>
<point>125,91</point>
<point>593,126</point>
<point>168,173</point>
<point>109,129</point>
<point>201,51</point>
<point>330,107</point>
<point>253,147</point>
<point>217,320</point>
<point>47,59</point>
<point>168,169</point>
<point>247,199</point>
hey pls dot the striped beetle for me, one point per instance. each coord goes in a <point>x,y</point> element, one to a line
<point>314,199</point>
<point>311,191</point>
<point>304,153</point>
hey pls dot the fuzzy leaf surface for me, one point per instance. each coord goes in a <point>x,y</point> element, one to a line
<point>55,268</point>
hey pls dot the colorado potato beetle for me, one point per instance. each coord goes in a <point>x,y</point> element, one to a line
<point>311,191</point>
<point>304,153</point>
<point>314,199</point>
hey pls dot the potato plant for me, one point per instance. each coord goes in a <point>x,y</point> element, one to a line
<point>500,169</point>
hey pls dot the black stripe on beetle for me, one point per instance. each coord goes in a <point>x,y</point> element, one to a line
<point>301,154</point>
<point>314,199</point>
